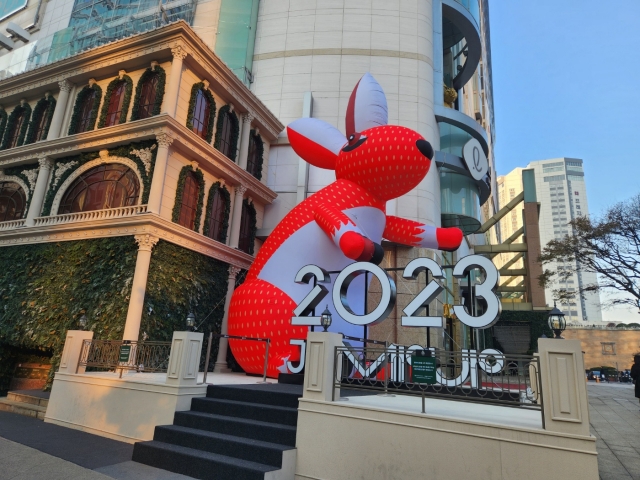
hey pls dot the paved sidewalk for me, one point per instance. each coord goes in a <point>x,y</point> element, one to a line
<point>615,422</point>
<point>33,450</point>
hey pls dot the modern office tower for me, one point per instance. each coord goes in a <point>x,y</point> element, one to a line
<point>562,194</point>
<point>432,58</point>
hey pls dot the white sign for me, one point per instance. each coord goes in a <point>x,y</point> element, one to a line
<point>475,159</point>
<point>484,290</point>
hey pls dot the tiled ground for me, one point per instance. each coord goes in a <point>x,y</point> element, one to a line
<point>615,421</point>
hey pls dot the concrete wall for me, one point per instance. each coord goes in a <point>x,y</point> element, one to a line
<point>627,343</point>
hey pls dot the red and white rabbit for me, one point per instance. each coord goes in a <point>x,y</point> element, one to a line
<point>342,223</point>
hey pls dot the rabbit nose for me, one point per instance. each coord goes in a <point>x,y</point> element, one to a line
<point>425,148</point>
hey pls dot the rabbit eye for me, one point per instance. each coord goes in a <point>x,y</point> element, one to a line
<point>354,142</point>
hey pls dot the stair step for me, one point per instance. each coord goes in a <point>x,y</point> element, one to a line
<point>197,463</point>
<point>21,408</point>
<point>26,398</point>
<point>248,410</point>
<point>258,451</point>
<point>241,427</point>
<point>264,394</point>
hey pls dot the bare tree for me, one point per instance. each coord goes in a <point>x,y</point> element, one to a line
<point>608,245</point>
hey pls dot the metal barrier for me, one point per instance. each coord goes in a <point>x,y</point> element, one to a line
<point>488,377</point>
<point>125,355</point>
<point>236,337</point>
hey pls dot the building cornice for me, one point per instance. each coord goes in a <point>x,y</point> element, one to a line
<point>129,53</point>
<point>147,223</point>
<point>185,141</point>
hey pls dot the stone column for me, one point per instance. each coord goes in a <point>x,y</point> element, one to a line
<point>247,118</point>
<point>159,171</point>
<point>35,207</point>
<point>61,106</point>
<point>221,360</point>
<point>139,287</point>
<point>173,89</point>
<point>236,217</point>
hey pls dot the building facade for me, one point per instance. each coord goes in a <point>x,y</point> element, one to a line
<point>74,74</point>
<point>139,160</point>
<point>561,192</point>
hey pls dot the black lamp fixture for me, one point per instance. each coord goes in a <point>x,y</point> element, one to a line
<point>556,321</point>
<point>82,321</point>
<point>325,318</point>
<point>191,321</point>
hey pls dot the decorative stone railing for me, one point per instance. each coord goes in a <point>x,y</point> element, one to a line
<point>93,215</point>
<point>11,224</point>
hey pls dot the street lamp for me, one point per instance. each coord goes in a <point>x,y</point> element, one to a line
<point>82,321</point>
<point>556,321</point>
<point>325,318</point>
<point>191,321</point>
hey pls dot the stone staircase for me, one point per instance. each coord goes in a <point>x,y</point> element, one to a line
<point>239,432</point>
<point>32,403</point>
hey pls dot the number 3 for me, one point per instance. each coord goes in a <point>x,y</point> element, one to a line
<point>484,290</point>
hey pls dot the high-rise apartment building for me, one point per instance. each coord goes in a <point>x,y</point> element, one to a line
<point>562,194</point>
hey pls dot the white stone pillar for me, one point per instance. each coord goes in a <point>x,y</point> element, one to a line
<point>236,218</point>
<point>170,101</point>
<point>159,171</point>
<point>58,114</point>
<point>37,199</point>
<point>247,118</point>
<point>72,350</point>
<point>139,287</point>
<point>318,376</point>
<point>184,359</point>
<point>221,359</point>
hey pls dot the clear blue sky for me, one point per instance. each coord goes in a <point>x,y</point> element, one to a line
<point>566,81</point>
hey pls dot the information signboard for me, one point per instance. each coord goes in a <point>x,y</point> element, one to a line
<point>125,353</point>
<point>423,369</point>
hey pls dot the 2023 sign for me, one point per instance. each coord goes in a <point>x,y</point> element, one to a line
<point>411,318</point>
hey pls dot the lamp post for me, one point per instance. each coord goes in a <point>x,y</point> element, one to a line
<point>556,321</point>
<point>325,318</point>
<point>191,321</point>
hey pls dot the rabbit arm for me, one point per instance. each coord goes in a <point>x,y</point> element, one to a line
<point>416,234</point>
<point>346,235</point>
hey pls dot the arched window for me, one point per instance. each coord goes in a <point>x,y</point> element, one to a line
<point>227,130</point>
<point>189,201</point>
<point>148,96</point>
<point>85,121</point>
<point>202,110</point>
<point>247,228</point>
<point>40,120</point>
<point>107,186</point>
<point>218,213</point>
<point>12,201</point>
<point>254,160</point>
<point>201,114</point>
<point>16,126</point>
<point>116,102</point>
<point>149,93</point>
<point>85,111</point>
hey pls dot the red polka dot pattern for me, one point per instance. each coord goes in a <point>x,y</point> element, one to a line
<point>388,164</point>
<point>258,309</point>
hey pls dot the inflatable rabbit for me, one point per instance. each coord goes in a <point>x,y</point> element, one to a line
<point>342,223</point>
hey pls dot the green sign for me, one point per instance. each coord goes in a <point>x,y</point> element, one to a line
<point>125,352</point>
<point>423,369</point>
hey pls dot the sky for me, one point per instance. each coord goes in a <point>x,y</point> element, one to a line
<point>566,83</point>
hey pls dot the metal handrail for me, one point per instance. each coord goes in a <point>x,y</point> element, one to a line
<point>236,337</point>
<point>515,382</point>
<point>142,356</point>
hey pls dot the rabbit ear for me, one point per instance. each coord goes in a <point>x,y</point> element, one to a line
<point>316,142</point>
<point>367,106</point>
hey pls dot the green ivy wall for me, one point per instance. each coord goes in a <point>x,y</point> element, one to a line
<point>45,288</point>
